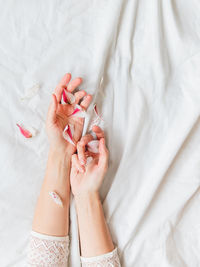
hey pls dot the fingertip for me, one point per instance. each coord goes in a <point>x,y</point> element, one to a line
<point>102,142</point>
<point>96,128</point>
<point>89,97</point>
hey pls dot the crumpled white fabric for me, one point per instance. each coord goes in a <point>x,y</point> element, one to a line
<point>148,55</point>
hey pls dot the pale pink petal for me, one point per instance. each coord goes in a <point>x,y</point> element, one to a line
<point>31,92</point>
<point>67,97</point>
<point>96,111</point>
<point>94,122</point>
<point>88,160</point>
<point>68,133</point>
<point>70,97</point>
<point>93,146</point>
<point>56,198</point>
<point>64,97</point>
<point>24,131</point>
<point>78,112</point>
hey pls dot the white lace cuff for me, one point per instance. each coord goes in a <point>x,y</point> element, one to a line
<point>107,260</point>
<point>48,251</point>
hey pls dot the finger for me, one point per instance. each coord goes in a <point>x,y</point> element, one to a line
<point>81,147</point>
<point>78,95</point>
<point>103,155</point>
<point>74,84</point>
<point>98,131</point>
<point>51,117</point>
<point>86,102</point>
<point>62,84</point>
<point>76,164</point>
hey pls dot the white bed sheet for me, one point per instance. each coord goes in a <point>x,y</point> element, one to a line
<point>148,53</point>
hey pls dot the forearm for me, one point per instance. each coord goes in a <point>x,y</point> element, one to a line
<point>95,238</point>
<point>50,218</point>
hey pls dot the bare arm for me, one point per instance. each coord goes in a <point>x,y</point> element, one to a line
<point>50,218</point>
<point>94,234</point>
<point>86,180</point>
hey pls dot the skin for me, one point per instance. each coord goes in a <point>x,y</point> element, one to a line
<point>50,218</point>
<point>85,182</point>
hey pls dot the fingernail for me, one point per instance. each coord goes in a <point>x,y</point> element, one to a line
<point>82,170</point>
<point>82,162</point>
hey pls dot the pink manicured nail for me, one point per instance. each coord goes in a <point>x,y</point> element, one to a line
<point>82,161</point>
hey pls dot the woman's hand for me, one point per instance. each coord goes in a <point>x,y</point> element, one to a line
<point>58,115</point>
<point>87,178</point>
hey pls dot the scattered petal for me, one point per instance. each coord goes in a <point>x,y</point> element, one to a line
<point>67,97</point>
<point>56,198</point>
<point>88,160</point>
<point>78,112</point>
<point>26,133</point>
<point>94,122</point>
<point>31,92</point>
<point>96,112</point>
<point>93,146</point>
<point>68,133</point>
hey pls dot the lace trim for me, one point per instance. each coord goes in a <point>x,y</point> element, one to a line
<point>107,260</point>
<point>46,251</point>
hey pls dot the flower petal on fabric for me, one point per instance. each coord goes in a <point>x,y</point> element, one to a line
<point>31,92</point>
<point>78,112</point>
<point>56,198</point>
<point>68,133</point>
<point>26,133</point>
<point>67,97</point>
<point>93,146</point>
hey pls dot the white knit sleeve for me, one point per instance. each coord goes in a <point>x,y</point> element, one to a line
<point>48,251</point>
<point>107,260</point>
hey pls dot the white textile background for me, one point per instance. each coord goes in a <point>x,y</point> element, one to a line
<point>148,53</point>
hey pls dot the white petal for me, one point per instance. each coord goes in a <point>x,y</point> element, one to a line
<point>31,92</point>
<point>93,146</point>
<point>56,198</point>
<point>78,112</point>
<point>66,134</point>
<point>88,160</point>
<point>71,98</point>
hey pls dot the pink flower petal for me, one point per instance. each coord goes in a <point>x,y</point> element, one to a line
<point>67,97</point>
<point>56,198</point>
<point>64,96</point>
<point>93,146</point>
<point>78,112</point>
<point>68,133</point>
<point>24,131</point>
<point>96,111</point>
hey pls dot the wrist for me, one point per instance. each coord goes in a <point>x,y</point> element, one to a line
<point>86,197</point>
<point>60,153</point>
